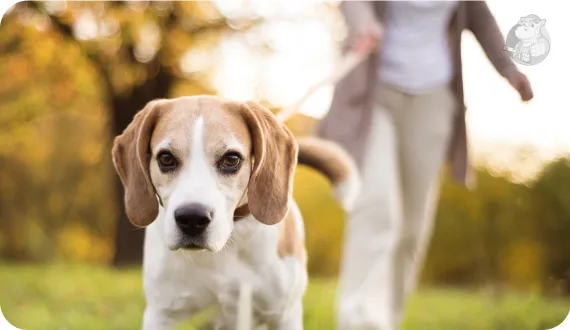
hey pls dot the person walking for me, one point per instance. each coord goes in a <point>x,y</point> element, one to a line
<point>401,115</point>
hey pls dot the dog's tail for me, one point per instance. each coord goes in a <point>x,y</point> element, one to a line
<point>336,164</point>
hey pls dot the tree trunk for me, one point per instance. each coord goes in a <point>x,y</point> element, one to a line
<point>128,238</point>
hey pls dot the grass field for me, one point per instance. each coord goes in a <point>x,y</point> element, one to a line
<point>82,297</point>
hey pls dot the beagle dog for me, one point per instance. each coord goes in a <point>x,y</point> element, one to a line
<point>211,180</point>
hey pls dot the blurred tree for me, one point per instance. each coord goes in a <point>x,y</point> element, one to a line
<point>74,73</point>
<point>136,48</point>
<point>551,208</point>
<point>47,180</point>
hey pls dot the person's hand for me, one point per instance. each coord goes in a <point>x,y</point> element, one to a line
<point>520,82</point>
<point>366,37</point>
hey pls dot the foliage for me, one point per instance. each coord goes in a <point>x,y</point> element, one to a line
<point>63,90</point>
<point>59,115</point>
<point>505,232</point>
<point>53,145</point>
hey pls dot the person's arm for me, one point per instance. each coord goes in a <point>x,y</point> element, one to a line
<point>358,13</point>
<point>482,23</point>
<point>364,28</point>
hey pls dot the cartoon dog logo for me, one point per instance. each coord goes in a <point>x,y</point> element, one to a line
<point>528,42</point>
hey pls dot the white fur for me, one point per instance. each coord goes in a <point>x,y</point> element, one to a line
<point>347,192</point>
<point>179,283</point>
<point>197,183</point>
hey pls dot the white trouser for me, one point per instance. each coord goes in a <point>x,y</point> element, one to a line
<point>387,235</point>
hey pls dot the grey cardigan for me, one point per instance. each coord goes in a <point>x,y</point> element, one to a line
<point>348,120</point>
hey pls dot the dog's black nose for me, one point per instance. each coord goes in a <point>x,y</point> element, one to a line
<point>193,219</point>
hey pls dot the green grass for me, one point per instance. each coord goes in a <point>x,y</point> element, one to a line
<point>82,297</point>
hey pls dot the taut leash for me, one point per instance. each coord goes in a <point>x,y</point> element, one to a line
<point>348,63</point>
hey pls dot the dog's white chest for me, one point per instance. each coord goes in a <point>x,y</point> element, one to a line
<point>190,282</point>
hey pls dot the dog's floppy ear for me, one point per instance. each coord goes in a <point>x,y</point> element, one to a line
<point>270,188</point>
<point>131,158</point>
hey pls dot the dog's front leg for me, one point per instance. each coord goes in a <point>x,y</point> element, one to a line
<point>292,320</point>
<point>160,319</point>
<point>228,301</point>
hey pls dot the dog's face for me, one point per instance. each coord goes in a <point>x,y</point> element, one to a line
<point>203,157</point>
<point>200,166</point>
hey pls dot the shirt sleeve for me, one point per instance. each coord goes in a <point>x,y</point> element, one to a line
<point>482,23</point>
<point>358,13</point>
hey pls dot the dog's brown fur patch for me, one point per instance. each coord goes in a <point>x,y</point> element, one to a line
<point>327,158</point>
<point>291,242</point>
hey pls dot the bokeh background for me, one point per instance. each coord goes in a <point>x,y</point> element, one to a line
<point>72,74</point>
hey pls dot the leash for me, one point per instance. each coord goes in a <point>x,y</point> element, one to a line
<point>348,63</point>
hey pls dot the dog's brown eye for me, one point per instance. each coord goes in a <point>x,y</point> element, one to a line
<point>166,161</point>
<point>230,162</point>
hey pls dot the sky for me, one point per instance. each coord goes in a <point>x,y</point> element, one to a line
<point>497,120</point>
<point>306,51</point>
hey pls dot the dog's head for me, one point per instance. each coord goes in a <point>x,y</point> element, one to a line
<point>201,158</point>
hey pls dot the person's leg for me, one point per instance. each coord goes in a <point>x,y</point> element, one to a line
<point>424,128</point>
<point>371,232</point>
